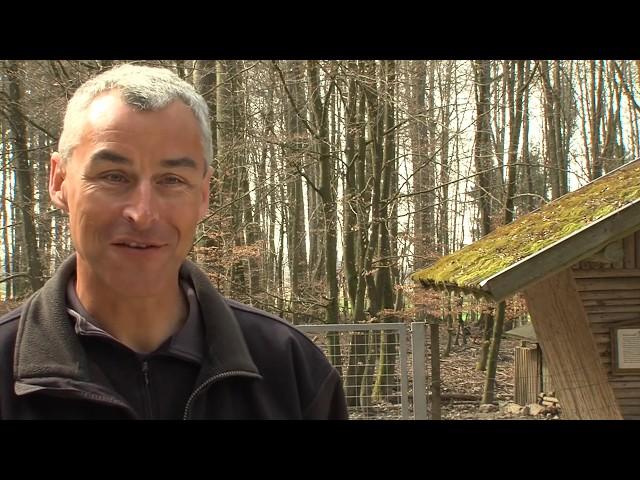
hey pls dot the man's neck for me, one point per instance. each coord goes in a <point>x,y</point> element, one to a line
<point>140,323</point>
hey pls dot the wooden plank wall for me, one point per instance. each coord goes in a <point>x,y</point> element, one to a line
<point>611,297</point>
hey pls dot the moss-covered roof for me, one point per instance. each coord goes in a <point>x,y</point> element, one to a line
<point>530,234</point>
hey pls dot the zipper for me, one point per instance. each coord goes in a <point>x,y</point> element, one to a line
<point>147,391</point>
<point>209,382</point>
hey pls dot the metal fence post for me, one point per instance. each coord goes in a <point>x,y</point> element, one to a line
<point>404,370</point>
<point>418,360</point>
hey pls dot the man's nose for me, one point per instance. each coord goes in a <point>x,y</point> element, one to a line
<point>141,209</point>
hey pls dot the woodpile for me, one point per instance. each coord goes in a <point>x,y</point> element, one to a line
<point>548,399</point>
<point>549,402</point>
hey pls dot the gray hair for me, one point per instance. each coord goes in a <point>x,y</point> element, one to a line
<point>144,88</point>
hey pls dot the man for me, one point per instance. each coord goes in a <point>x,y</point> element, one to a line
<point>127,327</point>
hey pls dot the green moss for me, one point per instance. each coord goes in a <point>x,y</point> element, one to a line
<point>531,233</point>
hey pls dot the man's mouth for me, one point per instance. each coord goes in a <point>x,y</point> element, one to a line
<point>137,245</point>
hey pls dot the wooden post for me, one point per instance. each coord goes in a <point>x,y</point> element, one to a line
<point>562,329</point>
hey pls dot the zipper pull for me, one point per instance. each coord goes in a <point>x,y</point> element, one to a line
<point>145,372</point>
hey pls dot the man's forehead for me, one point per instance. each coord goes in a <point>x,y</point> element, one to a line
<point>103,104</point>
<point>112,101</point>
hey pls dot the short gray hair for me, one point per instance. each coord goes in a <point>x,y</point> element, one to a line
<point>141,87</point>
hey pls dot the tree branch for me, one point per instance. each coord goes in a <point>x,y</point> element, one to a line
<point>292,101</point>
<point>15,275</point>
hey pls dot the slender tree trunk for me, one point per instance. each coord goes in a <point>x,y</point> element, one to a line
<point>481,365</point>
<point>553,160</point>
<point>443,207</point>
<point>25,198</point>
<point>448,318</point>
<point>296,146</point>
<point>482,150</point>
<point>350,194</point>
<point>384,286</point>
<point>6,221</point>
<point>560,129</point>
<point>515,121</point>
<point>375,117</point>
<point>355,380</point>
<point>490,379</point>
<point>526,158</point>
<point>329,207</point>
<point>423,166</point>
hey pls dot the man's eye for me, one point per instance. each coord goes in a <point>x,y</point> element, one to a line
<point>115,177</point>
<point>172,180</point>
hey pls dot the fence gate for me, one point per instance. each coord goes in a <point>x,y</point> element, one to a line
<point>374,362</point>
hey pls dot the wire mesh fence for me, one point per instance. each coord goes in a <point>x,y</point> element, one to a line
<point>374,362</point>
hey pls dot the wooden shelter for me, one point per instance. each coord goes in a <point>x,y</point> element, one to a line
<point>530,372</point>
<point>577,261</point>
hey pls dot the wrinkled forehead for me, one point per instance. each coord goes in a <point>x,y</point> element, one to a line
<point>173,128</point>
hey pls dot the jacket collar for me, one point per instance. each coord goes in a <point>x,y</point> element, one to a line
<point>47,346</point>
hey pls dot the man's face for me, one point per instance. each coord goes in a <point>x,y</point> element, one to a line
<point>135,191</point>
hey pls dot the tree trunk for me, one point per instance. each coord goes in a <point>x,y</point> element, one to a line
<point>486,341</point>
<point>550,129</point>
<point>482,150</point>
<point>515,121</point>
<point>6,221</point>
<point>492,362</point>
<point>327,197</point>
<point>387,360</point>
<point>24,183</point>
<point>357,198</point>
<point>423,166</point>
<point>295,148</point>
<point>443,204</point>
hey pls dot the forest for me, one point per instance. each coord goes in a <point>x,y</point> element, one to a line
<point>335,180</point>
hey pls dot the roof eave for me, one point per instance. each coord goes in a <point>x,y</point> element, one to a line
<point>564,253</point>
<point>455,288</point>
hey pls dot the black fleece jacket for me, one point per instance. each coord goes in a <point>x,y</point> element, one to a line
<point>256,366</point>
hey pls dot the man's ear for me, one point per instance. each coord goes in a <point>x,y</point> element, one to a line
<point>204,201</point>
<point>57,175</point>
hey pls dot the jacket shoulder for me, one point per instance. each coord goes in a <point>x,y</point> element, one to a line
<point>285,356</point>
<point>246,313</point>
<point>272,339</point>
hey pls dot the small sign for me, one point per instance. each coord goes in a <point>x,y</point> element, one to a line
<point>626,350</point>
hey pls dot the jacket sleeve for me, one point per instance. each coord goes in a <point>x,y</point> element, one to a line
<point>329,402</point>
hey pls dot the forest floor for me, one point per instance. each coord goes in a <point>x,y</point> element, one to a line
<point>460,378</point>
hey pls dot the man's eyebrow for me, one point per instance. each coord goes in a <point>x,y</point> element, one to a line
<point>109,156</point>
<point>180,162</point>
<point>113,157</point>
